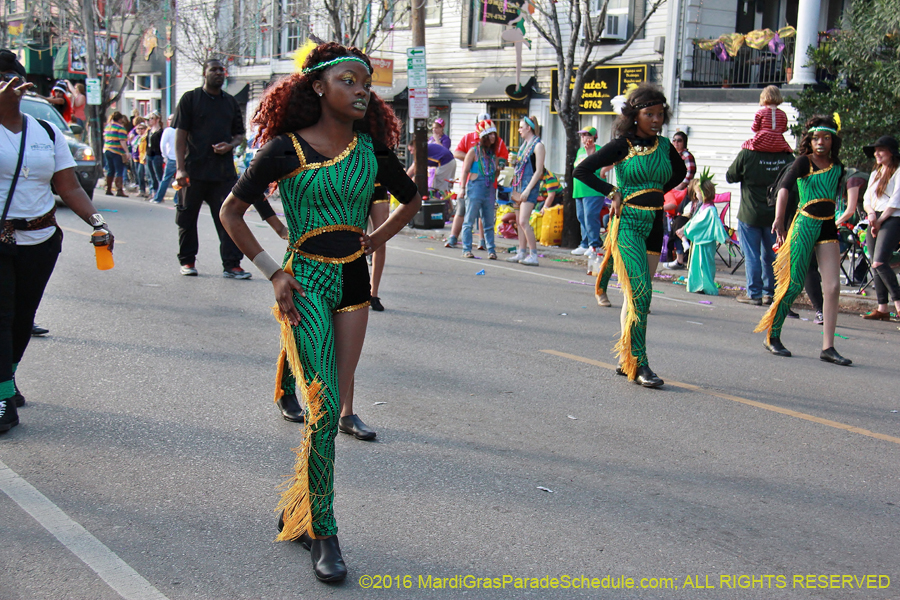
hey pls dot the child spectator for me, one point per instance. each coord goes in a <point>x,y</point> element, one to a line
<point>704,231</point>
<point>769,124</point>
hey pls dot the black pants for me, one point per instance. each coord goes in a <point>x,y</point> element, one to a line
<point>881,247</point>
<point>187,212</point>
<point>23,278</point>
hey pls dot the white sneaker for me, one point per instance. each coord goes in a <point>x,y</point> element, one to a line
<point>531,260</point>
<point>579,251</point>
<point>519,256</point>
<point>674,265</point>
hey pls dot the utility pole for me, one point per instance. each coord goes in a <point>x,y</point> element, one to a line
<point>90,42</point>
<point>420,125</point>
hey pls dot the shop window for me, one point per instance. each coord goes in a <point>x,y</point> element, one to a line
<point>506,120</point>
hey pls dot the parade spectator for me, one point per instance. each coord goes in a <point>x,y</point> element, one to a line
<point>705,231</point>
<point>550,187</point>
<point>35,156</point>
<point>526,185</point>
<point>154,161</point>
<point>817,172</point>
<point>468,141</point>
<point>588,201</point>
<point>686,209</point>
<point>139,157</point>
<point>116,153</point>
<point>209,126</point>
<point>756,170</point>
<point>647,166</point>
<point>59,98</point>
<point>479,177</point>
<point>79,102</point>
<point>323,283</point>
<point>769,124</point>
<point>437,134</point>
<point>882,204</point>
<point>680,141</point>
<point>441,160</point>
<point>167,149</point>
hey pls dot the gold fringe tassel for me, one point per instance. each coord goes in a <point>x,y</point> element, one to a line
<point>294,499</point>
<point>782,282</point>
<point>623,346</point>
<point>607,256</point>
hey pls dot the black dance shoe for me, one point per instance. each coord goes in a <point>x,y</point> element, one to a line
<point>328,563</point>
<point>290,408</point>
<point>621,371</point>
<point>648,378</point>
<point>354,426</point>
<point>376,304</point>
<point>832,356</point>
<point>775,346</point>
<point>304,539</point>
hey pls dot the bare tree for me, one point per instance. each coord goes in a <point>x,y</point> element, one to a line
<point>361,23</point>
<point>575,57</point>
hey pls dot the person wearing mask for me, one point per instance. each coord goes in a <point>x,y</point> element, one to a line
<point>34,157</point>
<point>208,126</point>
<point>167,149</point>
<point>817,173</point>
<point>588,201</point>
<point>882,204</point>
<point>469,141</point>
<point>647,166</point>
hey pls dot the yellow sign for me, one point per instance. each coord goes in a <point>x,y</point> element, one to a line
<point>382,71</point>
<point>600,86</point>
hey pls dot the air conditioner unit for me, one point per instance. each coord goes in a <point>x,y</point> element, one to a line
<point>616,25</point>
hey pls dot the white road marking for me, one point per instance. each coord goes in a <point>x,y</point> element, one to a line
<point>533,273</point>
<point>103,561</point>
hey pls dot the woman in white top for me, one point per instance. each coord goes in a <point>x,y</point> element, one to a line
<point>882,204</point>
<point>33,154</point>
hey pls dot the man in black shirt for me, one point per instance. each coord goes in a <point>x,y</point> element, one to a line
<point>209,125</point>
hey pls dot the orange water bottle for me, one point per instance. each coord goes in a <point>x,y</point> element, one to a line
<point>100,240</point>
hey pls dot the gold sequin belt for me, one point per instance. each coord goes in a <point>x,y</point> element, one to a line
<point>335,244</point>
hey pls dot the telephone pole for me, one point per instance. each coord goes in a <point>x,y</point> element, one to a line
<point>420,125</point>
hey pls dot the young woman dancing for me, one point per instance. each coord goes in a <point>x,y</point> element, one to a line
<point>326,142</point>
<point>817,172</point>
<point>647,166</point>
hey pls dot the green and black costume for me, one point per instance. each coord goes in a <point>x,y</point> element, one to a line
<point>813,224</point>
<point>326,203</point>
<point>645,170</point>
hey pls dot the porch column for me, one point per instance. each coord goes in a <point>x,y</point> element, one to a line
<point>807,35</point>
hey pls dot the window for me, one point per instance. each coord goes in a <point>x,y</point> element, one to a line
<point>295,24</point>
<point>507,122</point>
<point>432,13</point>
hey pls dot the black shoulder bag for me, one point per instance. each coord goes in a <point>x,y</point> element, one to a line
<point>7,235</point>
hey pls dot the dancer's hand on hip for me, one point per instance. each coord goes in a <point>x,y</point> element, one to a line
<point>615,209</point>
<point>285,285</point>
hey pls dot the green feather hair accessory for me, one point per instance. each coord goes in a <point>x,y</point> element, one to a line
<point>334,61</point>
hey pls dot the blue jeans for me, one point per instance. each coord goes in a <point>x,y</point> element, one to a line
<point>756,244</point>
<point>167,179</point>
<point>588,211</point>
<point>115,164</point>
<point>479,203</point>
<point>155,170</point>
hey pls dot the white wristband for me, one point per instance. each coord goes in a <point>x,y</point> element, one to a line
<point>265,263</point>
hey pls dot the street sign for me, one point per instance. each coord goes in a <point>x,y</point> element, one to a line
<point>93,91</point>
<point>417,75</point>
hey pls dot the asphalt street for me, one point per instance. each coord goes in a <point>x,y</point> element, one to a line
<point>149,453</point>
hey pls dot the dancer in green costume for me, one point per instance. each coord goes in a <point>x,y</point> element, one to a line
<point>818,173</point>
<point>646,166</point>
<point>326,142</point>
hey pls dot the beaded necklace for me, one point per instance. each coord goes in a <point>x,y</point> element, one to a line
<point>488,163</point>
<point>524,156</point>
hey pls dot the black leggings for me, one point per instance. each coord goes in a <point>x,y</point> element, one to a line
<point>881,248</point>
<point>23,278</point>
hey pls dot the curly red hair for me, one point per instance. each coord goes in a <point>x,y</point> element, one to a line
<point>290,104</point>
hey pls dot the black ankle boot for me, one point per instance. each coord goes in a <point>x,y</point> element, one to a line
<point>775,346</point>
<point>290,408</point>
<point>648,378</point>
<point>328,563</point>
<point>9,418</point>
<point>18,397</point>
<point>304,539</point>
<point>831,355</point>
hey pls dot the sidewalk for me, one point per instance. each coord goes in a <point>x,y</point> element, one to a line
<point>731,284</point>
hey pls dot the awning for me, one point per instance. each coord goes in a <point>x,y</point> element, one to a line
<point>240,90</point>
<point>496,89</point>
<point>395,92</point>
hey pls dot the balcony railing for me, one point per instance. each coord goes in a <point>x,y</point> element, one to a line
<point>750,68</point>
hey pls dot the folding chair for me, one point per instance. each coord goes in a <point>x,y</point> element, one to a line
<point>731,254</point>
